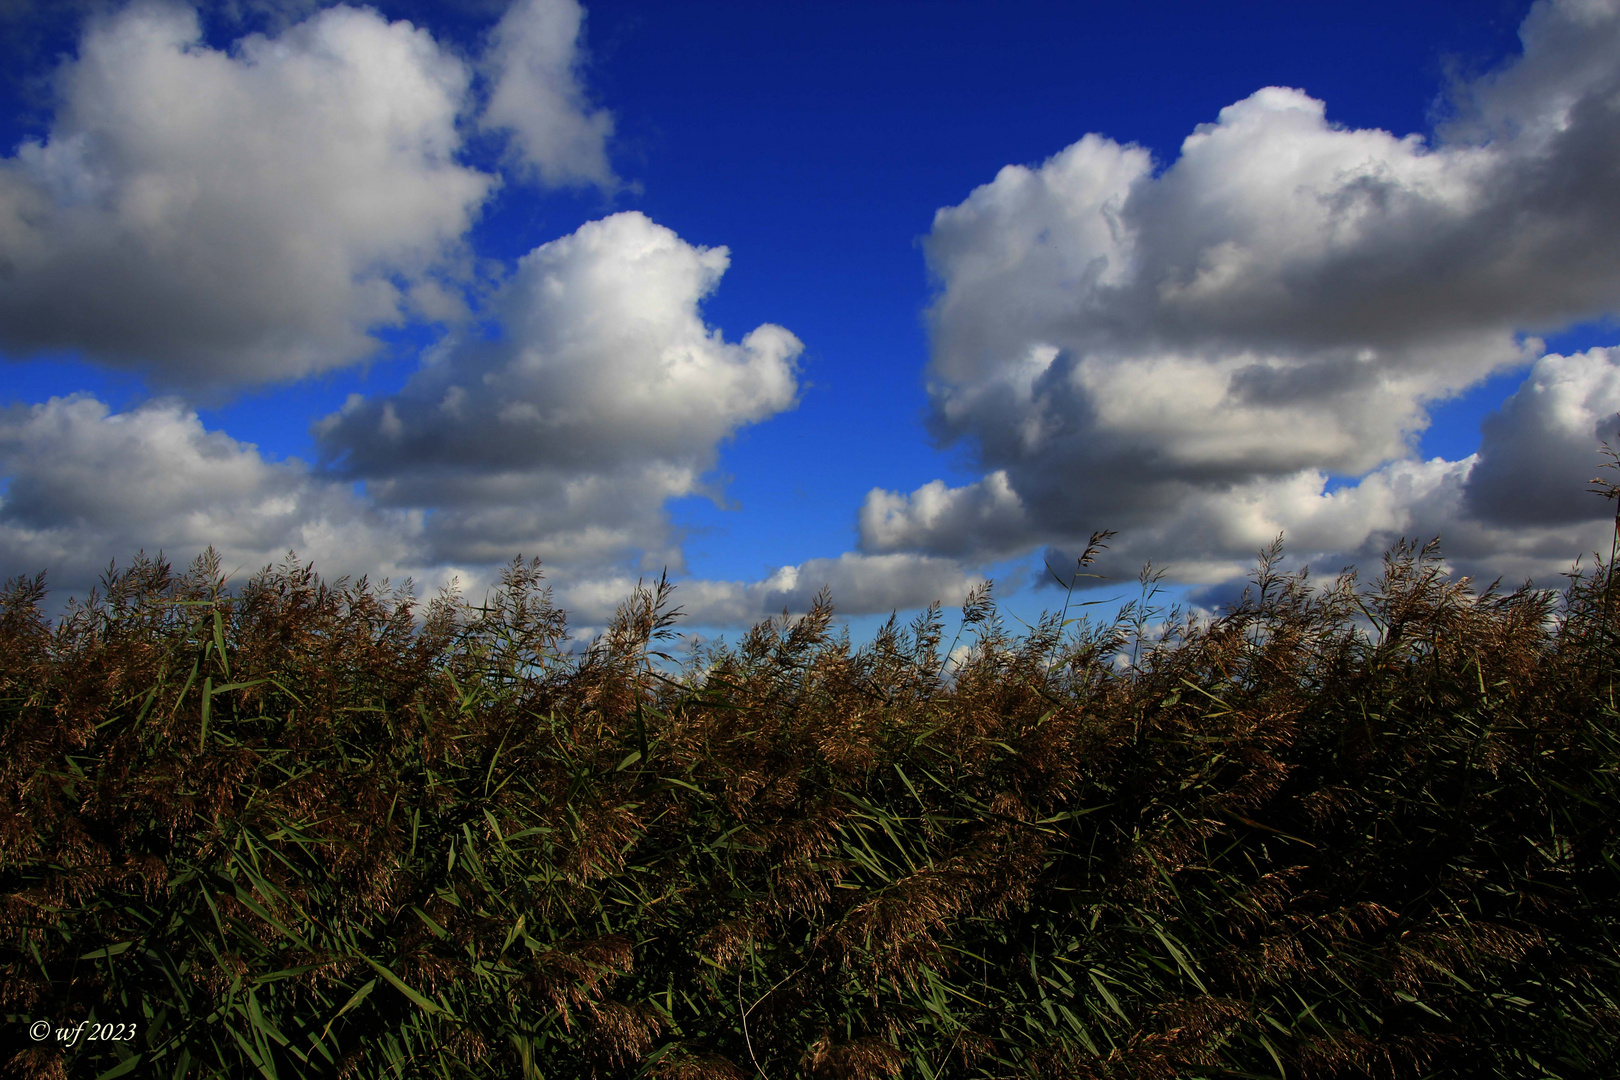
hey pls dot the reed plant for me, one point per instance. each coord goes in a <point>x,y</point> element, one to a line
<point>310,828</point>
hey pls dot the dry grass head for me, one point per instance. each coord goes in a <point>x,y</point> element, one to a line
<point>1127,849</point>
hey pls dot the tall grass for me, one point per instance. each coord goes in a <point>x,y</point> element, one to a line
<point>311,829</point>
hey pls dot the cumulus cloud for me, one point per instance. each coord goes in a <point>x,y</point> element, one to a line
<point>249,216</point>
<point>986,518</point>
<point>603,396</point>
<point>213,218</point>
<point>1189,355</point>
<point>859,585</point>
<point>227,217</point>
<point>536,94</point>
<point>86,484</point>
<point>1537,448</point>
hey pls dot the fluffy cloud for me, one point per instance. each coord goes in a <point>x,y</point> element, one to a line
<point>1189,356</point>
<point>212,216</point>
<point>536,94</point>
<point>859,585</point>
<point>603,396</point>
<point>251,216</point>
<point>86,484</point>
<point>1538,446</point>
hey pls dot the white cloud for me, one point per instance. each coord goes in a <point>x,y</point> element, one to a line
<point>604,396</point>
<point>238,217</point>
<point>1188,356</point>
<point>859,585</point>
<point>251,216</point>
<point>986,518</point>
<point>536,94</point>
<point>86,485</point>
<point>1537,449</point>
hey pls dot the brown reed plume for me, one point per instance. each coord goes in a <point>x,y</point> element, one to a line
<point>317,829</point>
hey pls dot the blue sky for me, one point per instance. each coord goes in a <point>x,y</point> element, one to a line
<point>888,297</point>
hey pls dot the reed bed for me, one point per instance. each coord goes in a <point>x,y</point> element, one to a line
<point>313,829</point>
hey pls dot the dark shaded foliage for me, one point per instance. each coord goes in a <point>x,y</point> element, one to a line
<point>309,830</point>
